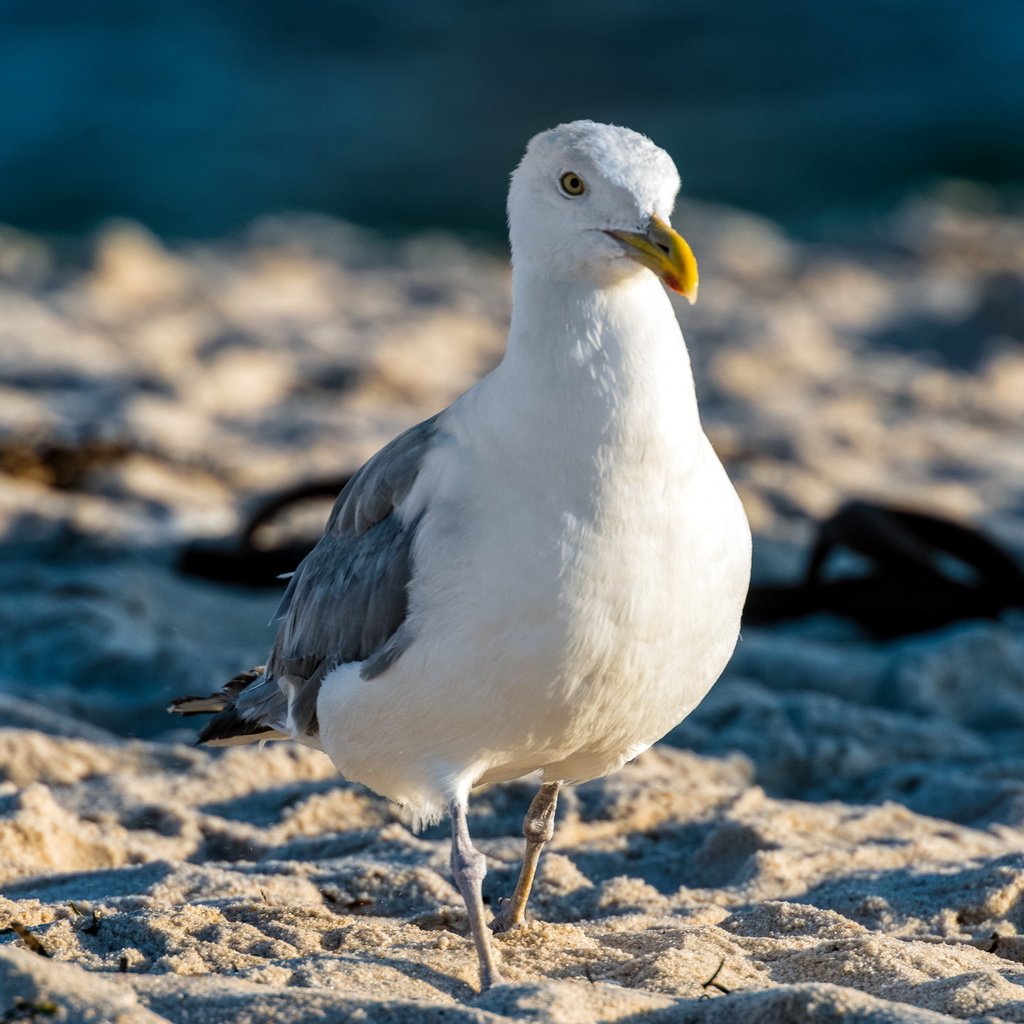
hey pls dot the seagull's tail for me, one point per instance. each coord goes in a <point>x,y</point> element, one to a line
<point>231,724</point>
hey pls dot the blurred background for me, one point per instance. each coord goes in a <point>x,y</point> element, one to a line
<point>195,117</point>
<point>244,244</point>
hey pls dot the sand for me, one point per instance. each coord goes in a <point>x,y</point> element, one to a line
<point>837,834</point>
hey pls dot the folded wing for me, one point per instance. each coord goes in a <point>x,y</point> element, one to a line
<point>345,603</point>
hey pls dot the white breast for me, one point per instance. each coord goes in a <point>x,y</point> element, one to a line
<point>581,564</point>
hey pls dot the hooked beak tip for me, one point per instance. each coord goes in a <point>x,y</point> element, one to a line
<point>666,253</point>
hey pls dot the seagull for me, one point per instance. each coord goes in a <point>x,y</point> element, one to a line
<point>546,576</point>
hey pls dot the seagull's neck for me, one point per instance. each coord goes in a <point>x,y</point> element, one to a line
<point>610,362</point>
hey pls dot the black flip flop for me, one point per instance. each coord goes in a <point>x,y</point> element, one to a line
<point>242,561</point>
<point>926,572</point>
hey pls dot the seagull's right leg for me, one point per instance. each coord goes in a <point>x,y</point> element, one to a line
<point>538,827</point>
<point>468,868</point>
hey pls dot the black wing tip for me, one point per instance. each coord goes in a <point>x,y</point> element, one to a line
<point>214,703</point>
<point>236,684</point>
<point>194,705</point>
<point>229,728</point>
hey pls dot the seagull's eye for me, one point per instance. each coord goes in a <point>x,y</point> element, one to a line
<point>572,184</point>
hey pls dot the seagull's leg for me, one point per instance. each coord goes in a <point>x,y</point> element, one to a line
<point>538,827</point>
<point>468,868</point>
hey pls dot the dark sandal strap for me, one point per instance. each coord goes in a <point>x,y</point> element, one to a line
<point>239,560</point>
<point>910,587</point>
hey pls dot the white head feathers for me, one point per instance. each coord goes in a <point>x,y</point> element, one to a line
<point>577,182</point>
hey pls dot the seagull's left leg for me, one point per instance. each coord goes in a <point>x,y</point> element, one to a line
<point>468,868</point>
<point>538,827</point>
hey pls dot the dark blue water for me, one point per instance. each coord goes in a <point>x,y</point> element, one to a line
<point>196,115</point>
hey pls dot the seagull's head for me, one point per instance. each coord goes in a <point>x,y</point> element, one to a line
<point>592,202</point>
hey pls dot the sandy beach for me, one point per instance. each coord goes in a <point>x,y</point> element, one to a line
<point>836,834</point>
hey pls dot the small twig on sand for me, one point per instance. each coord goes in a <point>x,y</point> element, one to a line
<point>31,942</point>
<point>712,983</point>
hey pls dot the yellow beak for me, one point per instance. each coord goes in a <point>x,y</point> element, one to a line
<point>665,252</point>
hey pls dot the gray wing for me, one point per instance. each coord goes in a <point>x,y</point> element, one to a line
<point>347,600</point>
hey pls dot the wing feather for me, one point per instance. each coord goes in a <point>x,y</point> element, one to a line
<point>346,602</point>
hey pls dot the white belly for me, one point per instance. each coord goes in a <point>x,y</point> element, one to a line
<point>564,638</point>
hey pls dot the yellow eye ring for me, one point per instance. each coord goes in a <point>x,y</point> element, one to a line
<point>572,184</point>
